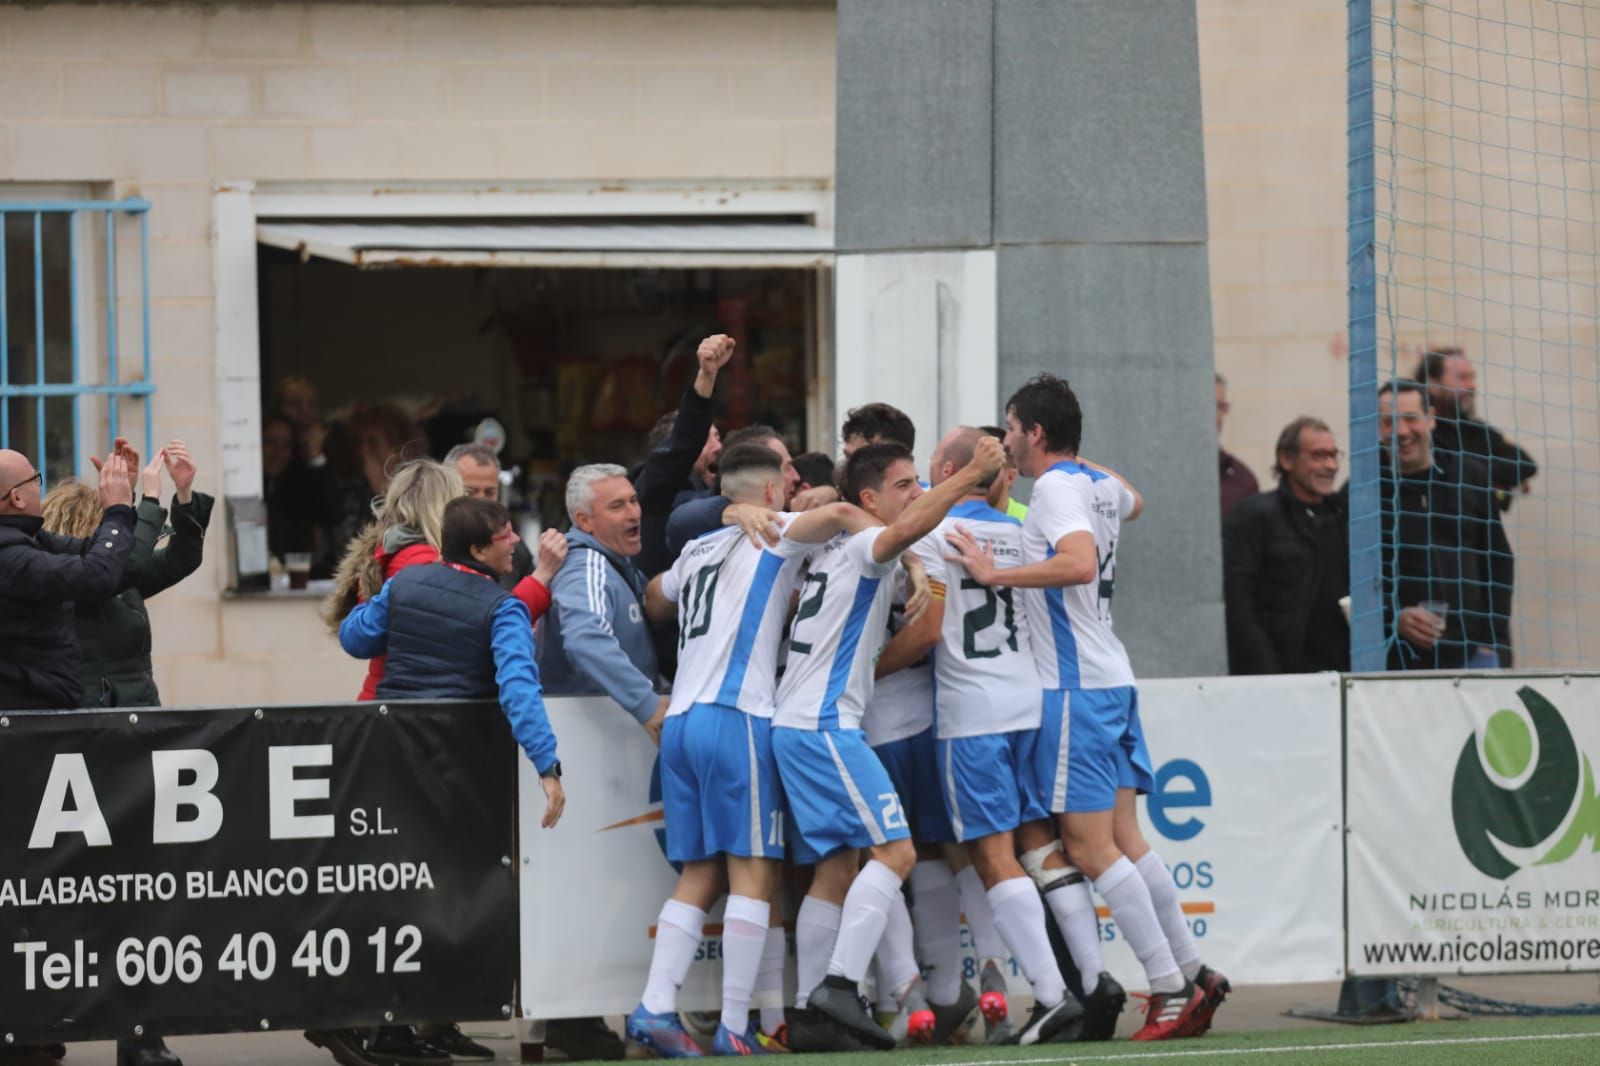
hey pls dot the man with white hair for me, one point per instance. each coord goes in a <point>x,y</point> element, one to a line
<point>596,638</point>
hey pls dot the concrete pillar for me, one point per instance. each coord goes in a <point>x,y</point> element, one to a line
<point>1051,149</point>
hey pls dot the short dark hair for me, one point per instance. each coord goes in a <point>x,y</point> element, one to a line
<point>1289,439</point>
<point>754,434</point>
<point>470,522</point>
<point>1398,385</point>
<point>866,468</point>
<point>1048,402</point>
<point>881,420</point>
<point>661,430</point>
<point>1432,366</point>
<point>736,463</point>
<point>815,468</point>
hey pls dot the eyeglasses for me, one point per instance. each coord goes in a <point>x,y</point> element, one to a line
<point>506,535</point>
<point>38,476</point>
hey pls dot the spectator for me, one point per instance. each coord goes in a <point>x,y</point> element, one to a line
<point>683,460</point>
<point>1436,518</point>
<point>479,468</point>
<point>297,405</point>
<point>1286,563</point>
<point>815,470</point>
<point>1452,383</point>
<point>699,517</point>
<point>43,574</point>
<point>876,423</point>
<point>1236,480</point>
<point>114,633</point>
<point>596,639</point>
<point>449,631</point>
<point>302,501</point>
<point>376,439</point>
<point>1452,387</point>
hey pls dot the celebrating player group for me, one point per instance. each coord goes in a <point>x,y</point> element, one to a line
<point>912,687</point>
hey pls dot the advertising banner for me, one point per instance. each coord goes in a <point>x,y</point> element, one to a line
<point>1474,825</point>
<point>234,869</point>
<point>1246,813</point>
<point>593,885</point>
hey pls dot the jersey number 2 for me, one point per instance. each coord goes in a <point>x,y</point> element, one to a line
<point>982,617</point>
<point>810,603</point>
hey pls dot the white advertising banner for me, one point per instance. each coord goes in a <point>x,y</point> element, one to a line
<point>1246,812</point>
<point>593,885</point>
<point>1474,825</point>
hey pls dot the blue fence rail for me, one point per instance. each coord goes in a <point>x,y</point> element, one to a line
<point>40,390</point>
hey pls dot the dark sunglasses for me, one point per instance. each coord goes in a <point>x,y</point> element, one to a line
<point>37,476</point>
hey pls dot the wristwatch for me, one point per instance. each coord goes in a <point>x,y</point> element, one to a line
<point>554,771</point>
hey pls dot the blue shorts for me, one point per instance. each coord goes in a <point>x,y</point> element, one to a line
<point>988,783</point>
<point>720,791</point>
<point>1090,745</point>
<point>839,794</point>
<point>913,766</point>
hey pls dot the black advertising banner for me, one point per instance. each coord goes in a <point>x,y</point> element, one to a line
<point>217,870</point>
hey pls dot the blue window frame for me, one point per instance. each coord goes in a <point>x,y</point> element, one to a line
<point>43,375</point>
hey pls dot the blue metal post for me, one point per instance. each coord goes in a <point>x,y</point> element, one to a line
<point>72,283</point>
<point>40,459</point>
<point>111,319</point>
<point>144,280</point>
<point>1367,642</point>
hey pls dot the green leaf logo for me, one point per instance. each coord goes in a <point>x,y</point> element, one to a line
<point>1544,766</point>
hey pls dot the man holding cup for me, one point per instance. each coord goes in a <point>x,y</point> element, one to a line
<point>1436,517</point>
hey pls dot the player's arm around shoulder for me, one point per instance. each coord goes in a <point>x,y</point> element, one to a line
<point>1132,501</point>
<point>658,606</point>
<point>822,524</point>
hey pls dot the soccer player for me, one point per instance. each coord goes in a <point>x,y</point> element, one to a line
<point>720,790</point>
<point>944,883</point>
<point>840,797</point>
<point>1091,757</point>
<point>987,714</point>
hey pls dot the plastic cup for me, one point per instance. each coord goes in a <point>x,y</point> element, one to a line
<point>299,566</point>
<point>1440,609</point>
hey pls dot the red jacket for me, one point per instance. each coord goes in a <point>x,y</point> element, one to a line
<point>530,590</point>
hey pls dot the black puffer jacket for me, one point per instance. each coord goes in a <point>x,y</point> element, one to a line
<point>114,633</point>
<point>41,575</point>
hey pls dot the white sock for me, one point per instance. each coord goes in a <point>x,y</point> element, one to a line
<point>1019,915</point>
<point>936,906</point>
<point>897,954</point>
<point>677,939</point>
<point>1125,893</point>
<point>744,938</point>
<point>816,928</point>
<point>882,989</point>
<point>1164,898</point>
<point>769,980</point>
<point>1073,907</point>
<point>986,940</point>
<point>866,912</point>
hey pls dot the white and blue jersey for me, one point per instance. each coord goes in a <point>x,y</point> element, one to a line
<point>1071,627</point>
<point>902,702</point>
<point>732,600</point>
<point>839,628</point>
<point>984,677</point>
<point>839,794</point>
<point>720,790</point>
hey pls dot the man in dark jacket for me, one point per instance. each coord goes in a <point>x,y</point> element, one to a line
<point>684,462</point>
<point>1286,563</point>
<point>1437,515</point>
<point>114,634</point>
<point>41,574</point>
<point>1235,480</point>
<point>1475,445</point>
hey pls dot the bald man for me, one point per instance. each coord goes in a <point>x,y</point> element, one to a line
<point>41,574</point>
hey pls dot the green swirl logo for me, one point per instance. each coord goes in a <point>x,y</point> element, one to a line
<point>1522,788</point>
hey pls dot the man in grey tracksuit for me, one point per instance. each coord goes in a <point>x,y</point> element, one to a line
<point>595,638</point>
